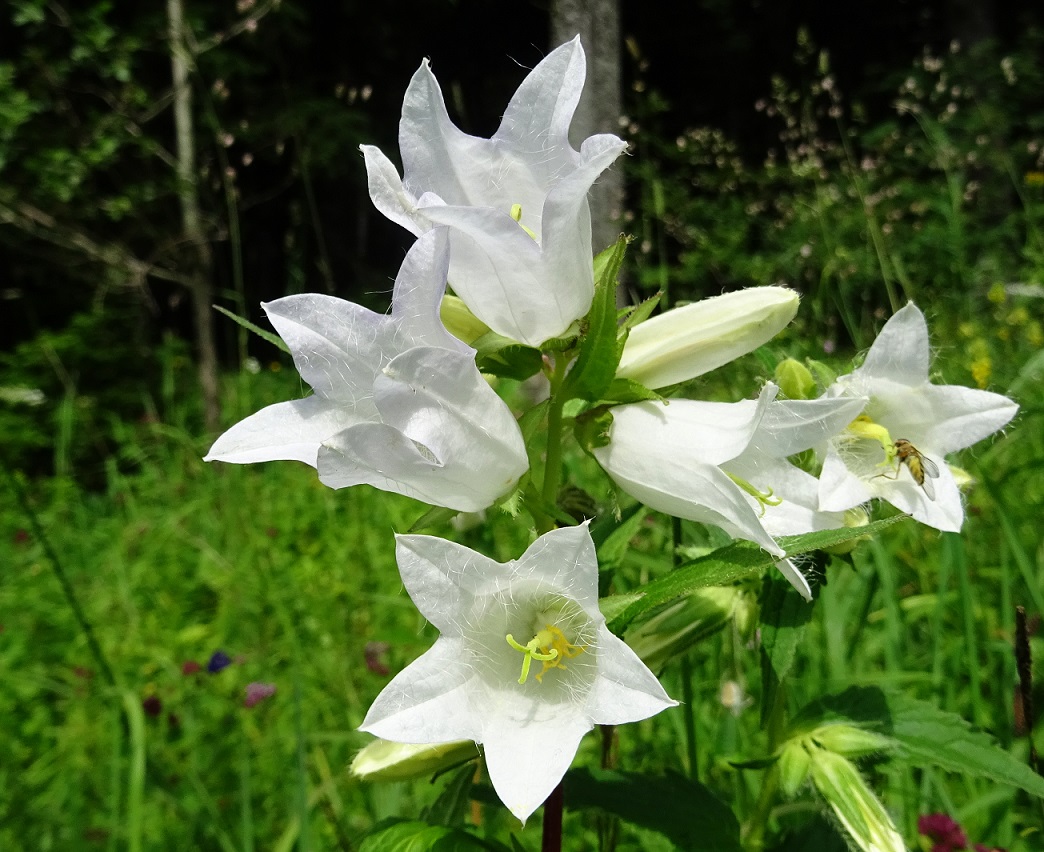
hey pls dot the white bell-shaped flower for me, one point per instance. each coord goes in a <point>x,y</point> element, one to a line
<point>524,663</point>
<point>399,403</point>
<point>516,204</point>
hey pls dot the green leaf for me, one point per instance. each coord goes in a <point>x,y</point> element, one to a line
<point>595,366</point>
<point>453,803</point>
<point>741,560</point>
<point>926,735</point>
<point>274,339</point>
<point>612,536</point>
<point>418,836</point>
<point>784,616</point>
<point>684,811</point>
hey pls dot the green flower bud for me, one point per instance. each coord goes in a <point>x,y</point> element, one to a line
<point>382,760</point>
<point>795,380</point>
<point>854,518</point>
<point>460,321</point>
<point>681,624</point>
<point>694,339</point>
<point>850,741</point>
<point>794,763</point>
<point>859,811</point>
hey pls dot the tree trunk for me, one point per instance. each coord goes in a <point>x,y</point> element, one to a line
<point>199,259</point>
<point>598,23</point>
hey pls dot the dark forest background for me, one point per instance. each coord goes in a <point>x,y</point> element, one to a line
<point>99,264</point>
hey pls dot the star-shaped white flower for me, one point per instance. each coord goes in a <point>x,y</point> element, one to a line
<point>726,464</point>
<point>524,664</point>
<point>516,203</point>
<point>399,403</point>
<point>906,429</point>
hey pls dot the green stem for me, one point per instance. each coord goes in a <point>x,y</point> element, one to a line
<point>63,579</point>
<point>553,456</point>
<point>758,822</point>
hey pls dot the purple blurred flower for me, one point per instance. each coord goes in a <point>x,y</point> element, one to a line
<point>258,692</point>
<point>944,830</point>
<point>375,662</point>
<point>152,705</point>
<point>190,667</point>
<point>218,661</point>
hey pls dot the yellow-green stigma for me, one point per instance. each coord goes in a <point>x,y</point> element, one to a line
<point>516,214</point>
<point>864,427</point>
<point>549,647</point>
<point>764,498</point>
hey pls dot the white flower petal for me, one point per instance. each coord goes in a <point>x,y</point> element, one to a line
<point>624,690</point>
<point>901,351</point>
<point>541,110</point>
<point>793,426</point>
<point>963,416</point>
<point>526,762</point>
<point>944,511</point>
<point>443,577</point>
<point>556,560</point>
<point>428,701</point>
<point>839,489</point>
<point>789,570</point>
<point>286,431</point>
<point>388,194</point>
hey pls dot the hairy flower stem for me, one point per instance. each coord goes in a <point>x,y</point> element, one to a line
<point>553,455</point>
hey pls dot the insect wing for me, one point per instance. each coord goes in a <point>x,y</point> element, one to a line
<point>926,483</point>
<point>930,468</point>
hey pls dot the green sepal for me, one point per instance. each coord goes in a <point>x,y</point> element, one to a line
<point>824,375</point>
<point>434,517</point>
<point>794,764</point>
<point>623,391</point>
<point>600,348</point>
<point>630,316</point>
<point>504,357</point>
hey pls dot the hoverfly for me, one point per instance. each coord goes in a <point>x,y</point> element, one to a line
<point>922,469</point>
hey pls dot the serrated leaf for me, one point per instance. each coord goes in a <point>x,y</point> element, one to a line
<point>741,560</point>
<point>274,339</point>
<point>595,366</point>
<point>926,735</point>
<point>684,811</point>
